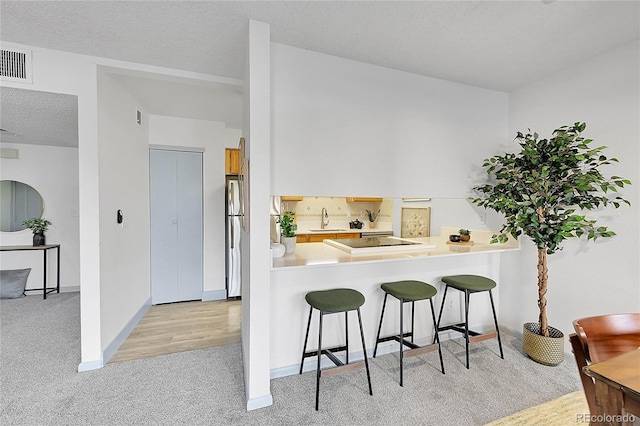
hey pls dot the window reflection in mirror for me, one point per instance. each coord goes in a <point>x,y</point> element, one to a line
<point>18,202</point>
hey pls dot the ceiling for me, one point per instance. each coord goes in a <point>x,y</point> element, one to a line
<point>39,118</point>
<point>498,45</point>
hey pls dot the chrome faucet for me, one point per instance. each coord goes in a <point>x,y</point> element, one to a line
<point>324,219</point>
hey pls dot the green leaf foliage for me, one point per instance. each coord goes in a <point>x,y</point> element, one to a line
<point>287,225</point>
<point>37,225</point>
<point>540,189</point>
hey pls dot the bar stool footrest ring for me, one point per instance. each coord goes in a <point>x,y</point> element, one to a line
<point>459,328</point>
<point>324,350</point>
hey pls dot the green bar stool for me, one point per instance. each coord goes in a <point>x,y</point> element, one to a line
<point>409,291</point>
<point>469,284</point>
<point>332,302</point>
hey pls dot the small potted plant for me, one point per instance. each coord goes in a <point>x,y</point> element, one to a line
<point>465,235</point>
<point>38,226</point>
<point>288,231</point>
<point>373,217</point>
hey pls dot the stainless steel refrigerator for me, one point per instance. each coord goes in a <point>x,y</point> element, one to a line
<point>233,231</point>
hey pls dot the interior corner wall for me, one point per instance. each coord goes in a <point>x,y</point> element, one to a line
<point>212,137</point>
<point>346,128</point>
<point>124,185</point>
<point>585,278</point>
<point>53,172</point>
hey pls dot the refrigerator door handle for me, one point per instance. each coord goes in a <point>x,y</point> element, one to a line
<point>232,232</point>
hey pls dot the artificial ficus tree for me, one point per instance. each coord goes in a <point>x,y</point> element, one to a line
<point>543,191</point>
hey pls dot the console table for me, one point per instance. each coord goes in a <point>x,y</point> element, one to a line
<point>45,249</point>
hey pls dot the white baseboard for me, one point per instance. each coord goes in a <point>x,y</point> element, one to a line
<point>90,365</point>
<point>260,402</point>
<point>111,349</point>
<point>208,296</point>
<point>66,289</point>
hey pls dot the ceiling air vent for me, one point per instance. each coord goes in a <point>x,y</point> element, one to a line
<point>15,65</point>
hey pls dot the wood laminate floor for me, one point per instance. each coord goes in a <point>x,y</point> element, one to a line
<point>185,326</point>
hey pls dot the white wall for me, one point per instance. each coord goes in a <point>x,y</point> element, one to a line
<point>255,244</point>
<point>232,137</point>
<point>345,128</point>
<point>584,279</point>
<point>53,172</point>
<point>212,137</point>
<point>124,185</point>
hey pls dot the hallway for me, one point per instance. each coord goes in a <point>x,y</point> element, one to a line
<point>179,327</point>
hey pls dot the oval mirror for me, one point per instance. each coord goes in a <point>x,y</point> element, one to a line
<point>18,202</point>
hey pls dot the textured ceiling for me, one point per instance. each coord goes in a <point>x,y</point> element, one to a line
<point>39,118</point>
<point>493,44</point>
<point>498,45</point>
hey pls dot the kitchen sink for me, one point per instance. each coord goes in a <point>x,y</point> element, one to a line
<point>326,230</point>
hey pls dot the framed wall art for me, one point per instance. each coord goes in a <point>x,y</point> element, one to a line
<point>416,222</point>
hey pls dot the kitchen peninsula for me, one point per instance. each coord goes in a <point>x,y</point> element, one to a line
<point>320,266</point>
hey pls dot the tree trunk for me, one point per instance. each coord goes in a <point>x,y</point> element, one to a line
<point>542,291</point>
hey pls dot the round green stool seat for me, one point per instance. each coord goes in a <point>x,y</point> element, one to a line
<point>335,300</point>
<point>410,290</point>
<point>469,282</point>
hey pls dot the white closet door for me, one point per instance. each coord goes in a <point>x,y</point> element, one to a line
<point>190,250</point>
<point>176,226</point>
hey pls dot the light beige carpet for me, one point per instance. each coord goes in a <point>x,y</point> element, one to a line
<point>568,409</point>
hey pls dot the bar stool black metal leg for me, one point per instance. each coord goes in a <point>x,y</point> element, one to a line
<point>346,334</point>
<point>433,317</point>
<point>318,367</point>
<point>364,352</point>
<point>466,323</point>
<point>384,304</point>
<point>413,317</point>
<point>444,296</point>
<point>495,320</point>
<point>306,338</point>
<point>401,345</point>
<point>44,287</point>
<point>58,271</point>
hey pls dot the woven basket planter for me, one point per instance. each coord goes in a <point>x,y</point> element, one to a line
<point>545,350</point>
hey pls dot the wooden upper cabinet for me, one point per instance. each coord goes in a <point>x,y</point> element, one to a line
<point>364,199</point>
<point>291,198</point>
<point>232,161</point>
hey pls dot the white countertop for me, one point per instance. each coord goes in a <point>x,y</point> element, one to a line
<point>321,254</point>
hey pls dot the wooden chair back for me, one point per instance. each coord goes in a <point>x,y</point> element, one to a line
<point>600,338</point>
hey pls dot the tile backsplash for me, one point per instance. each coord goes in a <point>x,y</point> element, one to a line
<point>338,209</point>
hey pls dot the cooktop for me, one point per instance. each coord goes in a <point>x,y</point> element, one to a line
<point>377,245</point>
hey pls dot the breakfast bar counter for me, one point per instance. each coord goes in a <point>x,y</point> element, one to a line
<point>322,254</point>
<point>320,266</point>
